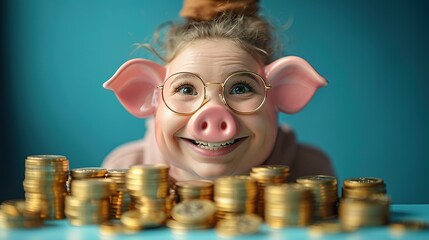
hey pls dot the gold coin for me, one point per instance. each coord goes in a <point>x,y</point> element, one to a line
<point>117,172</point>
<point>148,169</point>
<point>178,226</point>
<point>194,184</point>
<point>13,207</point>
<point>47,157</point>
<point>317,179</point>
<point>91,188</point>
<point>325,228</point>
<point>193,211</point>
<point>363,182</point>
<point>88,172</point>
<point>114,227</point>
<point>409,225</point>
<point>135,219</point>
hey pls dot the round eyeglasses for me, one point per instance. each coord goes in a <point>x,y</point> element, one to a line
<point>243,92</point>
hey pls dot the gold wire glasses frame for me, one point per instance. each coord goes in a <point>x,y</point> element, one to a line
<point>198,103</point>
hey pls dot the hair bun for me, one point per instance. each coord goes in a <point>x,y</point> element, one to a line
<point>204,10</point>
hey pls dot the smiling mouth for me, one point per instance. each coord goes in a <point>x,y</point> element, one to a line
<point>215,145</point>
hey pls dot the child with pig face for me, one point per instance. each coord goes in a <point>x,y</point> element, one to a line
<point>212,108</point>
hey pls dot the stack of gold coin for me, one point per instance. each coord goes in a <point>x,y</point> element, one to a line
<point>86,173</point>
<point>239,225</point>
<point>363,212</point>
<point>362,187</point>
<point>148,186</point>
<point>325,195</point>
<point>15,214</point>
<point>192,214</point>
<point>120,200</point>
<point>194,189</point>
<point>89,201</point>
<point>45,184</point>
<point>288,205</point>
<point>235,195</point>
<point>266,175</point>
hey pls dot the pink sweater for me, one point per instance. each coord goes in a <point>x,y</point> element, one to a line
<point>302,159</point>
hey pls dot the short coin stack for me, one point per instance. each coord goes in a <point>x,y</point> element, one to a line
<point>364,203</point>
<point>235,195</point>
<point>149,188</point>
<point>364,212</point>
<point>325,195</point>
<point>194,189</point>
<point>192,214</point>
<point>266,175</point>
<point>15,214</point>
<point>288,205</point>
<point>120,200</point>
<point>45,184</point>
<point>89,201</point>
<point>362,187</point>
<point>86,173</point>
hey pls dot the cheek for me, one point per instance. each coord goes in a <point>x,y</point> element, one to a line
<point>167,124</point>
<point>263,126</point>
<point>265,120</point>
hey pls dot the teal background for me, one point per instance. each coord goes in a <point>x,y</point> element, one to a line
<point>372,119</point>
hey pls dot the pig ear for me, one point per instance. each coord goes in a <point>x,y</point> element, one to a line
<point>135,84</point>
<point>293,81</point>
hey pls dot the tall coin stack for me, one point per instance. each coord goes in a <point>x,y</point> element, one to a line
<point>45,184</point>
<point>325,194</point>
<point>235,195</point>
<point>149,188</point>
<point>362,187</point>
<point>86,173</point>
<point>288,205</point>
<point>364,212</point>
<point>89,201</point>
<point>266,175</point>
<point>194,189</point>
<point>120,200</point>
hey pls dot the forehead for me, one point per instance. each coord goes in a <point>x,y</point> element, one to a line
<point>213,57</point>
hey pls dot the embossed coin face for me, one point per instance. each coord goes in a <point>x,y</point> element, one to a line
<point>194,211</point>
<point>363,182</point>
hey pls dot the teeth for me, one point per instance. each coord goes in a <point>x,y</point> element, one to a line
<point>213,145</point>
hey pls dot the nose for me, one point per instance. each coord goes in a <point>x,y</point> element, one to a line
<point>213,124</point>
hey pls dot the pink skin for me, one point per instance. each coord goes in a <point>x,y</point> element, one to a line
<point>136,83</point>
<point>213,61</point>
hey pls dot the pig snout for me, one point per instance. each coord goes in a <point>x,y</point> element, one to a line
<point>213,124</point>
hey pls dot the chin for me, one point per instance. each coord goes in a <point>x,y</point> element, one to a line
<point>213,172</point>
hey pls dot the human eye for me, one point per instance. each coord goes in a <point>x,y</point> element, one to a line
<point>185,89</point>
<point>241,87</point>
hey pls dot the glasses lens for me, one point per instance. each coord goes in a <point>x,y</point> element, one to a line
<point>183,92</point>
<point>244,91</point>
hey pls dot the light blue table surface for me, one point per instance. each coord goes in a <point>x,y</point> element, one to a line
<point>61,229</point>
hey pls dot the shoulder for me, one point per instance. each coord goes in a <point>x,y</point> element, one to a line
<point>125,155</point>
<point>310,160</point>
<point>303,159</point>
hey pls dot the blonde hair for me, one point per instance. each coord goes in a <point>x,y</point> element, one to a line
<point>252,33</point>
